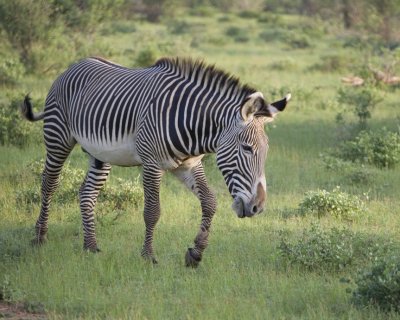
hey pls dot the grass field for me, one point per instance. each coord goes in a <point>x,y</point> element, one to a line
<point>243,274</point>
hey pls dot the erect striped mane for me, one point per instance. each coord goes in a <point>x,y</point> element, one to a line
<point>199,70</point>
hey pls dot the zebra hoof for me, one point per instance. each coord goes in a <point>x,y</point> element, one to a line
<point>93,250</point>
<point>38,241</point>
<point>150,259</point>
<point>191,260</point>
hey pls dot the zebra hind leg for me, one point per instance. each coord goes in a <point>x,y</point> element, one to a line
<point>50,181</point>
<point>195,180</point>
<point>88,193</point>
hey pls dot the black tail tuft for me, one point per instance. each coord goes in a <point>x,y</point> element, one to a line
<point>27,112</point>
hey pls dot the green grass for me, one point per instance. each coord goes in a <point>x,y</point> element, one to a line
<point>242,275</point>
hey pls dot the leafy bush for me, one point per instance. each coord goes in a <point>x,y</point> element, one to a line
<point>26,22</point>
<point>122,194</point>
<point>234,31</point>
<point>248,14</point>
<point>293,39</point>
<point>269,18</point>
<point>332,63</point>
<point>14,130</point>
<point>274,35</point>
<point>299,41</point>
<point>319,250</point>
<point>335,203</point>
<point>353,173</point>
<point>146,57</point>
<point>114,196</point>
<point>362,100</point>
<point>379,285</point>
<point>380,148</point>
<point>179,27</point>
<point>85,15</point>
<point>283,65</point>
<point>11,70</point>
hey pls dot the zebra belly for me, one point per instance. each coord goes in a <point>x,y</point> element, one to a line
<point>121,153</point>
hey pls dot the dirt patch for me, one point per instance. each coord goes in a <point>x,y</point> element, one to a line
<point>18,312</point>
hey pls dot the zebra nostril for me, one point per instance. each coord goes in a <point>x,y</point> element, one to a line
<point>255,209</point>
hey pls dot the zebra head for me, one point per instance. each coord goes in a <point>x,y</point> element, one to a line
<point>242,153</point>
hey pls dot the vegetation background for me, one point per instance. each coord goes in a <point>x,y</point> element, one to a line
<point>327,246</point>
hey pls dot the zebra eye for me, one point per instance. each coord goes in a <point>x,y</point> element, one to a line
<point>247,148</point>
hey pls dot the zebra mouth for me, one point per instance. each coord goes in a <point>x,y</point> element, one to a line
<point>239,207</point>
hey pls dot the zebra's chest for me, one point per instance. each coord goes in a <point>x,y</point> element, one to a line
<point>121,153</point>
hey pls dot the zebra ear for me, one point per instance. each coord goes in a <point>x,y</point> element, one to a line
<point>251,105</point>
<point>271,110</point>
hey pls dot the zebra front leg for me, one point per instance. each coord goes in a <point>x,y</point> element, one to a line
<point>94,181</point>
<point>50,182</point>
<point>151,185</point>
<point>195,179</point>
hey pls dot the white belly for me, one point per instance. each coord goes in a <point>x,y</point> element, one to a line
<point>121,153</point>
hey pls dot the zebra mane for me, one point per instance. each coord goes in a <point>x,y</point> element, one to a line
<point>198,68</point>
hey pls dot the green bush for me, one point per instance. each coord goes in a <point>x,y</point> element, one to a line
<point>335,203</point>
<point>117,195</point>
<point>353,173</point>
<point>379,285</point>
<point>380,148</point>
<point>299,41</point>
<point>249,14</point>
<point>85,15</point>
<point>283,65</point>
<point>14,130</point>
<point>362,100</point>
<point>26,23</point>
<point>234,31</point>
<point>122,194</point>
<point>332,63</point>
<point>269,18</point>
<point>319,250</point>
<point>146,57</point>
<point>274,34</point>
<point>11,70</point>
<point>178,27</point>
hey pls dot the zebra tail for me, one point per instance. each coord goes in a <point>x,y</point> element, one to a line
<point>27,112</point>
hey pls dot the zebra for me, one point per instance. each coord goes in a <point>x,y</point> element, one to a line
<point>164,118</point>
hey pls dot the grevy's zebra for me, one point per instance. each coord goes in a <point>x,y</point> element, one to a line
<point>165,117</point>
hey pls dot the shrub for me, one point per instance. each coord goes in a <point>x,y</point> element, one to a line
<point>122,194</point>
<point>178,27</point>
<point>274,35</point>
<point>14,130</point>
<point>234,31</point>
<point>379,285</point>
<point>283,65</point>
<point>380,148</point>
<point>269,18</point>
<point>353,173</point>
<point>362,100</point>
<point>335,203</point>
<point>114,196</point>
<point>11,70</point>
<point>26,23</point>
<point>242,38</point>
<point>332,63</point>
<point>297,41</point>
<point>146,57</point>
<point>318,250</point>
<point>248,14</point>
